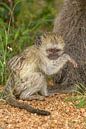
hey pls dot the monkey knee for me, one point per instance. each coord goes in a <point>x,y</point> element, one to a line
<point>39,80</point>
<point>40,76</point>
<point>22,97</point>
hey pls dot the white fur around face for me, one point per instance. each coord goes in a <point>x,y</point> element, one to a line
<point>51,67</point>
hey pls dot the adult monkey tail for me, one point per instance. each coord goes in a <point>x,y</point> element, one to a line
<point>13,102</point>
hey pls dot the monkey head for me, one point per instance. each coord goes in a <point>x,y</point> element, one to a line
<point>50,45</point>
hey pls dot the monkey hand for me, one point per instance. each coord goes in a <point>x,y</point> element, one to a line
<point>73,62</point>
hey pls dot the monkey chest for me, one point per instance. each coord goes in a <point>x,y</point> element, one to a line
<point>50,67</point>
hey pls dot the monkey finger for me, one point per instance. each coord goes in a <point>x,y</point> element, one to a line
<point>73,62</point>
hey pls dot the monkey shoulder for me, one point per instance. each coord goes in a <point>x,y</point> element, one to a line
<point>27,57</point>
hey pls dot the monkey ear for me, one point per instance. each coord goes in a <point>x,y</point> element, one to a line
<point>38,41</point>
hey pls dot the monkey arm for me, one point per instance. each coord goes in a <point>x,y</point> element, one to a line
<point>66,58</point>
<point>53,66</point>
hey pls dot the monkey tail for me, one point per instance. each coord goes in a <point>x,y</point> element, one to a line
<point>13,102</point>
<point>10,99</point>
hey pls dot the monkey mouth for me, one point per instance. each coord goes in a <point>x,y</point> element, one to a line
<point>53,56</point>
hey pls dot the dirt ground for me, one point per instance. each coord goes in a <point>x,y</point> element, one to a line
<point>64,115</point>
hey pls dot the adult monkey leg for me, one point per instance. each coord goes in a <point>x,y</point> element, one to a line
<point>71,24</point>
<point>34,84</point>
<point>21,92</point>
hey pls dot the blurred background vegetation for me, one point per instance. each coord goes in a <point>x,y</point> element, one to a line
<point>20,22</point>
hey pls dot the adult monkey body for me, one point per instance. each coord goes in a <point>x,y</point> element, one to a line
<point>71,24</point>
<point>28,70</point>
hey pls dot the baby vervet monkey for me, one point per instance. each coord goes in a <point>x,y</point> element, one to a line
<point>28,70</point>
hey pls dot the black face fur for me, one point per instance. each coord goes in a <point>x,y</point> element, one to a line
<point>53,53</point>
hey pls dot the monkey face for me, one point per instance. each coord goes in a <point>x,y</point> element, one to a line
<point>51,45</point>
<point>53,53</point>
